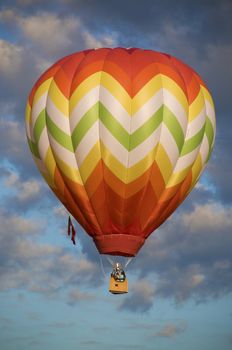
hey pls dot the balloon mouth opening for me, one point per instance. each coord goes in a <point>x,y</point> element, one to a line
<point>119,244</point>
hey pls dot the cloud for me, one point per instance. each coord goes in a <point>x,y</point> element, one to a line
<point>75,296</point>
<point>210,217</point>
<point>42,268</point>
<point>53,34</point>
<point>26,191</point>
<point>140,298</point>
<point>11,58</point>
<point>189,256</point>
<point>50,32</point>
<point>171,330</point>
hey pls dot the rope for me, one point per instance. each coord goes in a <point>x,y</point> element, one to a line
<point>102,267</point>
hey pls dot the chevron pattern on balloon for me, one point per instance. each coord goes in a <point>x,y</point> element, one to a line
<point>103,131</point>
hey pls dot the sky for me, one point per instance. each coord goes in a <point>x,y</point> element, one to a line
<point>54,295</point>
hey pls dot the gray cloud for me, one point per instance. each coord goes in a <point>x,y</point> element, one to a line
<point>190,256</point>
<point>184,263</point>
<point>141,298</point>
<point>36,267</point>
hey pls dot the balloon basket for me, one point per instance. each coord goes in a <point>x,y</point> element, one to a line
<point>118,287</point>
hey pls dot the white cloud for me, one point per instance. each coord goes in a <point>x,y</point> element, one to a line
<point>210,216</point>
<point>25,190</point>
<point>61,211</point>
<point>51,34</point>
<point>105,41</point>
<point>19,224</point>
<point>12,139</point>
<point>11,58</point>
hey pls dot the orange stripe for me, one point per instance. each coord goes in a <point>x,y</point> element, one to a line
<point>68,201</point>
<point>157,180</point>
<point>94,180</point>
<point>65,75</point>
<point>99,204</point>
<point>165,209</point>
<point>46,75</point>
<point>125,191</point>
<point>78,195</point>
<point>148,206</point>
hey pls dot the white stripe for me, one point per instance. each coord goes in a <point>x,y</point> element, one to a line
<point>195,125</point>
<point>176,108</point>
<point>37,108</point>
<point>63,153</point>
<point>87,143</point>
<point>60,119</point>
<point>88,101</point>
<point>146,111</point>
<point>41,166</point>
<point>28,130</point>
<point>128,159</point>
<point>210,113</point>
<point>204,149</point>
<point>128,122</point>
<point>113,145</point>
<point>115,108</point>
<point>169,144</point>
<point>186,160</point>
<point>144,148</point>
<point>43,144</point>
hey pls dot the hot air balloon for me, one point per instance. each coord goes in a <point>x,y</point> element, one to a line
<point>121,136</point>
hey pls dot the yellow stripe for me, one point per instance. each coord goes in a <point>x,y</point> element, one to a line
<point>46,175</point>
<point>163,162</point>
<point>147,91</point>
<point>127,175</point>
<point>50,162</point>
<point>156,83</point>
<point>90,162</point>
<point>61,102</point>
<point>196,169</point>
<point>28,113</point>
<point>196,106</point>
<point>177,178</point>
<point>207,96</point>
<point>49,180</point>
<point>70,172</point>
<point>82,89</point>
<point>42,89</point>
<point>107,81</point>
<point>116,89</point>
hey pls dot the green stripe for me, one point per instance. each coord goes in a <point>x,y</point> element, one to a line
<point>61,137</point>
<point>85,124</point>
<point>209,155</point>
<point>173,126</point>
<point>146,129</point>
<point>140,135</point>
<point>194,142</point>
<point>114,127</point>
<point>33,147</point>
<point>39,125</point>
<point>209,131</point>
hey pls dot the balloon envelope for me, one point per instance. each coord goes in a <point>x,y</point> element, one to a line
<point>121,136</point>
